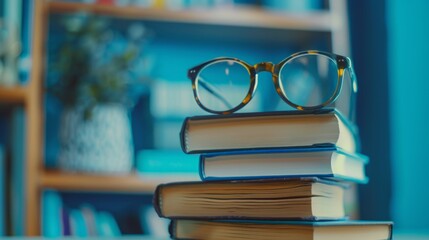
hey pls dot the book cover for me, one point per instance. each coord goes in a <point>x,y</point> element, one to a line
<point>216,133</point>
<point>304,198</point>
<point>286,230</point>
<point>322,162</point>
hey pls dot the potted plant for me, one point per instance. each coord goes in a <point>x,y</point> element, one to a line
<point>94,69</point>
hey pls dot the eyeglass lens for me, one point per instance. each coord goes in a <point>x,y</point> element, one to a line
<point>223,85</point>
<point>309,80</point>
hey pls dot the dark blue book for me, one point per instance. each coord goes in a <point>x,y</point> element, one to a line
<point>323,162</point>
<point>217,133</point>
<point>284,230</point>
<point>305,198</point>
<point>18,130</point>
<point>2,191</point>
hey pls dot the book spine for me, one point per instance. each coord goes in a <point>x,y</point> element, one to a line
<point>201,170</point>
<point>274,177</point>
<point>183,135</point>
<point>390,232</point>
<point>172,229</point>
<point>156,201</point>
<point>315,148</point>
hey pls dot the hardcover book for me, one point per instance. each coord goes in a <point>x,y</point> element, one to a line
<point>286,162</point>
<point>212,133</point>
<point>306,198</point>
<point>278,230</point>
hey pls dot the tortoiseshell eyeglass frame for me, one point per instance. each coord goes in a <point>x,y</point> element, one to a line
<point>342,63</point>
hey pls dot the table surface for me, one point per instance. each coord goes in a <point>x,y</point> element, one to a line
<point>397,236</point>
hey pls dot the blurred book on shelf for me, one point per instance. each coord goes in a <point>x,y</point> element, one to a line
<point>59,220</point>
<point>17,181</point>
<point>156,163</point>
<point>2,191</point>
<point>164,100</point>
<point>293,5</point>
<point>151,224</point>
<point>52,215</point>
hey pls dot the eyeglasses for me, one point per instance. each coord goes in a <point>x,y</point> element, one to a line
<point>308,80</point>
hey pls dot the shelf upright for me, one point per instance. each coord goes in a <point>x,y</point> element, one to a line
<point>35,126</point>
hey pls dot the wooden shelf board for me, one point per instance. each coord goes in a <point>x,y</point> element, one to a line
<point>233,16</point>
<point>13,94</point>
<point>132,182</point>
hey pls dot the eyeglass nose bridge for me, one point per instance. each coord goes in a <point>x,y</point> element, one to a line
<point>264,67</point>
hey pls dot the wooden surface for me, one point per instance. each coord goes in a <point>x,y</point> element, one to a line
<point>234,16</point>
<point>35,126</point>
<point>396,236</point>
<point>64,181</point>
<point>14,94</point>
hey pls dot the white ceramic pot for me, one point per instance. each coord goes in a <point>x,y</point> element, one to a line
<point>101,144</point>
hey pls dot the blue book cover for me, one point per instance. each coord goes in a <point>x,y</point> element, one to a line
<point>323,162</point>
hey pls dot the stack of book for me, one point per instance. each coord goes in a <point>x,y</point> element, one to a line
<point>278,175</point>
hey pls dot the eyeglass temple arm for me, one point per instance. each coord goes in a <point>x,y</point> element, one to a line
<point>353,93</point>
<point>213,91</point>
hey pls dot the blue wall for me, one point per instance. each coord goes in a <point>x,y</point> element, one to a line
<point>408,31</point>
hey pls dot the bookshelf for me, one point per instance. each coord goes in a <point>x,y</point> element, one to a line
<point>287,27</point>
<point>14,94</point>
<point>97,183</point>
<point>234,16</point>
